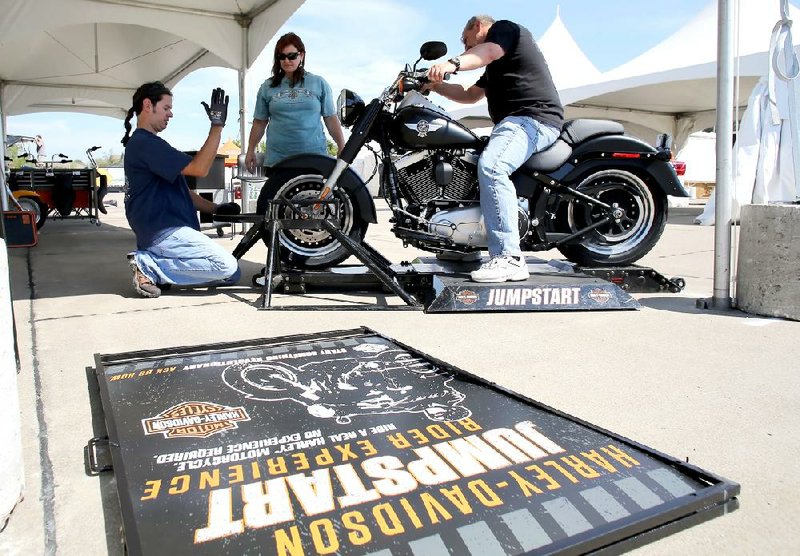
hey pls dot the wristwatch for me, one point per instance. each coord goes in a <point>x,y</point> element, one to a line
<point>456,62</point>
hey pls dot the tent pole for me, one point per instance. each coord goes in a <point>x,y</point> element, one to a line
<point>242,119</point>
<point>722,228</point>
<point>3,191</point>
<point>245,186</point>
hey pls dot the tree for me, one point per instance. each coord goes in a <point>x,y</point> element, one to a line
<point>108,158</point>
<point>14,153</point>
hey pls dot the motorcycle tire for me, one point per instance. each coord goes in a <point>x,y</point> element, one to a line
<point>38,209</point>
<point>310,249</point>
<point>627,239</point>
<point>63,194</point>
<point>101,193</point>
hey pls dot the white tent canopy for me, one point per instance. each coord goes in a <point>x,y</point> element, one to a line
<point>90,55</point>
<point>568,64</point>
<point>672,87</point>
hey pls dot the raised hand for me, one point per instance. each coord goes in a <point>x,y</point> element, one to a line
<point>218,111</point>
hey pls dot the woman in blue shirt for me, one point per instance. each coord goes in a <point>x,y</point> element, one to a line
<point>294,103</point>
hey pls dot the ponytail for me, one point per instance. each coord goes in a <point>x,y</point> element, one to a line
<point>152,91</point>
<point>127,127</point>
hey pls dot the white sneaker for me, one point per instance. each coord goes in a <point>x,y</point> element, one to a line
<point>501,269</point>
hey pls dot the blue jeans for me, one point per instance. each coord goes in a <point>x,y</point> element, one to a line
<point>514,139</point>
<point>186,257</point>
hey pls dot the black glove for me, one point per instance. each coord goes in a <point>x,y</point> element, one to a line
<point>218,111</point>
<point>228,209</point>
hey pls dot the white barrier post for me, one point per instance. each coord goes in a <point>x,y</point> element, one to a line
<point>12,472</point>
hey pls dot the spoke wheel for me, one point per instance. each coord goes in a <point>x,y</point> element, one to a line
<point>313,249</point>
<point>637,219</point>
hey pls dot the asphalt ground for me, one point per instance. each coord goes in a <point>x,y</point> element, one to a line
<point>719,389</point>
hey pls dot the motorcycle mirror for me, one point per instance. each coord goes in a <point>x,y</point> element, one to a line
<point>432,50</point>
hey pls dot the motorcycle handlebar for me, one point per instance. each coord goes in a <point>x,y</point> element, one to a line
<point>416,80</point>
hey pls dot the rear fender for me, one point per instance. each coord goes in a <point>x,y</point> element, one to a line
<point>596,154</point>
<point>348,181</point>
<point>20,193</point>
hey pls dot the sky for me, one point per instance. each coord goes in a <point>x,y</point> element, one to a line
<point>362,44</point>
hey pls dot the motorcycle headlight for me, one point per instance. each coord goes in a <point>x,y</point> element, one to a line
<point>349,107</point>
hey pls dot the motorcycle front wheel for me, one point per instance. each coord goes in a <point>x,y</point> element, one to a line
<point>641,210</point>
<point>311,249</point>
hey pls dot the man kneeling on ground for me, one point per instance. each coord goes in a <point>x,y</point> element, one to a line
<point>160,207</point>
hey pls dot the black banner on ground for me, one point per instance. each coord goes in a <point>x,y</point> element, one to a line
<point>349,442</point>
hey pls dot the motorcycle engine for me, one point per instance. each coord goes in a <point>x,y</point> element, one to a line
<point>427,175</point>
<point>442,176</point>
<point>465,225</point>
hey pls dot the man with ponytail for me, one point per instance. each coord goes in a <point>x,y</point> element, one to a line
<point>161,209</point>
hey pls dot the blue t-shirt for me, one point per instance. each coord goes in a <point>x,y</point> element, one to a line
<point>294,115</point>
<point>157,197</point>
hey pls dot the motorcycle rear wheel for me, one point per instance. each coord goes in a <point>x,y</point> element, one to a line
<point>624,240</point>
<point>311,249</point>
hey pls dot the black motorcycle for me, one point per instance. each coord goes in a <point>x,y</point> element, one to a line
<point>597,195</point>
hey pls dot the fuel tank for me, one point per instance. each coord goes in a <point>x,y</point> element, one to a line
<point>420,124</point>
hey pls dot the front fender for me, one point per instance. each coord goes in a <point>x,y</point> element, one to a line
<point>596,154</point>
<point>349,180</point>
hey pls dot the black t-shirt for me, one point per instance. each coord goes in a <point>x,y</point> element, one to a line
<point>519,82</point>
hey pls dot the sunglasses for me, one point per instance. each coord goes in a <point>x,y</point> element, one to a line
<point>290,56</point>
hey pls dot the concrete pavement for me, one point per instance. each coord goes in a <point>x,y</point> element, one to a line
<point>719,389</point>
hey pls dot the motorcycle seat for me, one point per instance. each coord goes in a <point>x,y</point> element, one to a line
<point>577,131</point>
<point>572,133</point>
<point>550,159</point>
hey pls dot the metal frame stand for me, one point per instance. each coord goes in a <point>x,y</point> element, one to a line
<point>268,226</point>
<point>437,287</point>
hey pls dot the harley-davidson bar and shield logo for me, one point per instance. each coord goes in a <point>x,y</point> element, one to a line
<point>194,419</point>
<point>599,295</point>
<point>467,297</point>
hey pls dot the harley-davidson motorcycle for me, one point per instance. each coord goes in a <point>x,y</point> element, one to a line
<point>596,195</point>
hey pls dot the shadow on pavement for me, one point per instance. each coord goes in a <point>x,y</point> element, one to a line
<point>687,305</point>
<point>79,259</point>
<point>106,479</point>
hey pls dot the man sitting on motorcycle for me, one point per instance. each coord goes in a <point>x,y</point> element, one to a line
<point>527,115</point>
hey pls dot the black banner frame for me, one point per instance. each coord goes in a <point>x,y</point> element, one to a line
<point>716,499</point>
